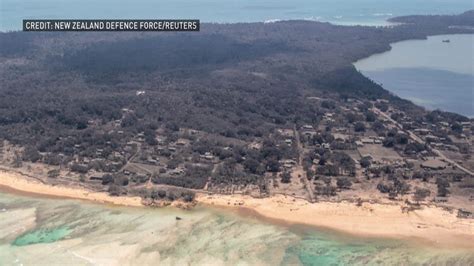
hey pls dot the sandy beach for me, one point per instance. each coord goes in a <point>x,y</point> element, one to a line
<point>430,224</point>
<point>21,183</point>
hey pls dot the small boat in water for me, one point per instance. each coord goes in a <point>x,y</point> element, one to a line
<point>447,41</point>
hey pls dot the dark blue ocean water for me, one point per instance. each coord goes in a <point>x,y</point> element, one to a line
<point>431,73</point>
<point>368,12</point>
<point>432,88</point>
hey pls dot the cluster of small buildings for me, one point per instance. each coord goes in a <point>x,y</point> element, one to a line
<point>369,140</point>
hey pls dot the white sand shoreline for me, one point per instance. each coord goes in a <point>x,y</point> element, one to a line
<point>433,225</point>
<point>21,183</point>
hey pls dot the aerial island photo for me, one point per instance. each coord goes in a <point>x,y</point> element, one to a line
<point>237,132</point>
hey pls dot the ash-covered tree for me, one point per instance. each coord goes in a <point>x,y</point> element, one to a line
<point>365,162</point>
<point>443,185</point>
<point>344,182</point>
<point>107,179</point>
<point>421,194</point>
<point>286,177</point>
<point>53,173</point>
<point>359,127</point>
<point>31,154</point>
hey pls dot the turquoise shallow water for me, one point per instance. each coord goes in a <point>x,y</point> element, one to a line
<point>430,73</point>
<point>41,236</point>
<point>366,12</point>
<point>58,232</point>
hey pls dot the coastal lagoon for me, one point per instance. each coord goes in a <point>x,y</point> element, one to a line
<point>346,12</point>
<point>58,232</point>
<point>433,73</point>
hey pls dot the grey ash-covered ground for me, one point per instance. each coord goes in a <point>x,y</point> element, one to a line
<point>240,108</point>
